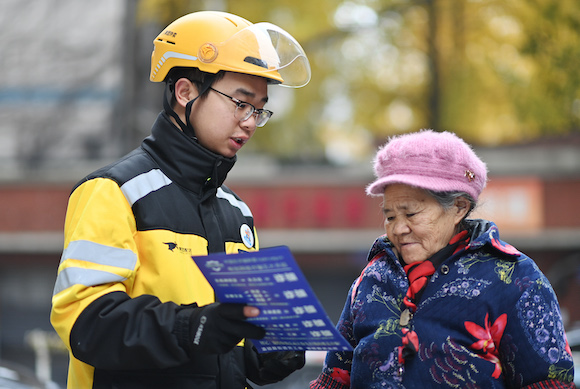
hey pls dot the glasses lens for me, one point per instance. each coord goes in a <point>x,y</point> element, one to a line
<point>262,118</point>
<point>243,112</point>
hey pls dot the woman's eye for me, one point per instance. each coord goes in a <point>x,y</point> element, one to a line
<point>411,214</point>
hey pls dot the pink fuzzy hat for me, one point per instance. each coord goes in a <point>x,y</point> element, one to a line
<point>439,161</point>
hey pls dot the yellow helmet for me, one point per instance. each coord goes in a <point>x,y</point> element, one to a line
<point>212,41</point>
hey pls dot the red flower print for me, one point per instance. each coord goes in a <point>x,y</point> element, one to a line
<point>341,375</point>
<point>489,338</point>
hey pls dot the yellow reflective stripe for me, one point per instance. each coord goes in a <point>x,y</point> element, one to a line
<point>143,184</point>
<point>95,253</point>
<point>234,201</point>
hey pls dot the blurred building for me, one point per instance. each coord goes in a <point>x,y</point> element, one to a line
<point>321,213</point>
<point>61,99</point>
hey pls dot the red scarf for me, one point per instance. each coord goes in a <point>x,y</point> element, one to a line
<point>419,274</point>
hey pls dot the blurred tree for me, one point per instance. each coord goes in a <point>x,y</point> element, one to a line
<point>509,69</point>
<point>553,42</point>
<point>492,71</point>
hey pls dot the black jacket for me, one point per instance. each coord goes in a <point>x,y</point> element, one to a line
<point>127,282</point>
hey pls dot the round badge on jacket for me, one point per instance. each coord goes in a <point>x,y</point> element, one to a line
<point>247,235</point>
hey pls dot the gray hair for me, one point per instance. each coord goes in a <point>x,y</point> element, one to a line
<point>447,199</point>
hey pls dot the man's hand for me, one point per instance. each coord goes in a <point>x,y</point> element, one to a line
<point>267,368</point>
<point>217,328</point>
<point>280,364</point>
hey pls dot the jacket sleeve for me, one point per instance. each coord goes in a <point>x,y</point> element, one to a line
<point>91,309</point>
<point>533,348</point>
<point>118,332</point>
<point>337,365</point>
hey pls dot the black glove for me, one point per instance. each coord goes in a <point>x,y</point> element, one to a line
<point>268,368</point>
<point>280,364</point>
<point>217,328</point>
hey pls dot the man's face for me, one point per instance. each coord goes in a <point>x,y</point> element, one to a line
<point>216,127</point>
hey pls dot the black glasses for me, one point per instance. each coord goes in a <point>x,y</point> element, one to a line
<point>245,110</point>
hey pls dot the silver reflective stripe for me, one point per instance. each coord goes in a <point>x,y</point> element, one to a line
<point>172,54</point>
<point>96,253</point>
<point>85,250</point>
<point>87,277</point>
<point>235,202</point>
<point>140,186</point>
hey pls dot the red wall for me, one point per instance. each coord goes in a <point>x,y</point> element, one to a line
<point>33,208</point>
<point>547,204</point>
<point>562,202</point>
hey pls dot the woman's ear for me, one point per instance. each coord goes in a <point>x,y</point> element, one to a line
<point>463,207</point>
<point>184,91</point>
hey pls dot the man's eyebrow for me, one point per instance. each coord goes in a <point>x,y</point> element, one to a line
<point>246,92</point>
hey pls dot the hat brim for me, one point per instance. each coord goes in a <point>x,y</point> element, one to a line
<point>437,184</point>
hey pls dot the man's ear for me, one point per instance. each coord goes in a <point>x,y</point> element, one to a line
<point>184,91</point>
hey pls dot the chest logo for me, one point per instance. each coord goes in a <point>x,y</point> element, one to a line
<point>247,235</point>
<point>172,246</point>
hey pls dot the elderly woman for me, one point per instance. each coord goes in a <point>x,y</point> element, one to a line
<point>443,302</point>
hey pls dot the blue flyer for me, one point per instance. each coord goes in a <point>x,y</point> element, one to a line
<point>271,280</point>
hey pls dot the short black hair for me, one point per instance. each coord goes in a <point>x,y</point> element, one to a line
<point>196,76</point>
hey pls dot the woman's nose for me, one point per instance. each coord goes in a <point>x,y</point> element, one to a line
<point>400,227</point>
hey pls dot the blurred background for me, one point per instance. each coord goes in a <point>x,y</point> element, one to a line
<point>504,75</point>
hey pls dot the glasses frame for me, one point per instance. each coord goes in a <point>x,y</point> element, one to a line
<point>261,115</point>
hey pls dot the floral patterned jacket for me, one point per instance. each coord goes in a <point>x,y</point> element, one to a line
<point>488,318</point>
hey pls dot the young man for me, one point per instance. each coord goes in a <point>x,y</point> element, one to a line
<point>129,302</point>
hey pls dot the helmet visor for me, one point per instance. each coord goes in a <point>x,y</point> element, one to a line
<point>265,50</point>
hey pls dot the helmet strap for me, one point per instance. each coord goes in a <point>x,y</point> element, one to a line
<point>186,127</point>
<point>169,109</point>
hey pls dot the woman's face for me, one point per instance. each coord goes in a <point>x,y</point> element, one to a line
<point>416,224</point>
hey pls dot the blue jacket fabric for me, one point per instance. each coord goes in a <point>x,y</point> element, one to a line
<point>488,318</point>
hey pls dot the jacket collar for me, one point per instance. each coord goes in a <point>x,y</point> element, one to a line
<point>486,233</point>
<point>184,160</point>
